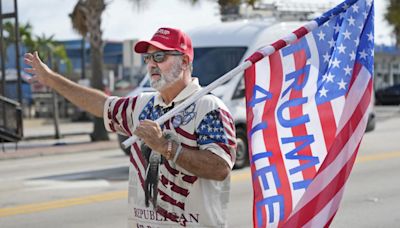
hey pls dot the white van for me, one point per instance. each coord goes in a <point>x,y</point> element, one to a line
<point>221,47</point>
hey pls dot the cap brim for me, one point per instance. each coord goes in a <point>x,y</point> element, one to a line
<point>142,46</point>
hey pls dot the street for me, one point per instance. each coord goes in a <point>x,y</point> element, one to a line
<point>89,189</point>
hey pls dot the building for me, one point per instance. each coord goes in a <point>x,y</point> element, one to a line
<point>288,10</point>
<point>78,53</point>
<point>387,66</point>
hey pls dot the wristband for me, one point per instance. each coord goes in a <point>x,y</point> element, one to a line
<point>177,152</point>
<point>169,149</point>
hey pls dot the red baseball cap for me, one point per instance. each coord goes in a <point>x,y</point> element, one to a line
<point>168,39</point>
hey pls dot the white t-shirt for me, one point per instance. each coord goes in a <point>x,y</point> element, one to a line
<point>183,199</point>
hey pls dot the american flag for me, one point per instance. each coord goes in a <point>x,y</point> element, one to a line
<point>217,127</point>
<point>307,110</point>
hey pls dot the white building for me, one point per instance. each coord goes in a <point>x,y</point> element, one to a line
<point>387,66</point>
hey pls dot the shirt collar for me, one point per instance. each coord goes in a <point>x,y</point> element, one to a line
<point>190,89</point>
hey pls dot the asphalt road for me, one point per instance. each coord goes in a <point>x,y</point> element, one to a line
<point>89,189</point>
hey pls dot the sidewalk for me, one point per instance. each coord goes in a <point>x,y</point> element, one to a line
<point>39,139</point>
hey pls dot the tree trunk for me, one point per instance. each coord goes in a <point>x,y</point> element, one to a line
<point>99,132</point>
<point>56,115</point>
<point>93,20</point>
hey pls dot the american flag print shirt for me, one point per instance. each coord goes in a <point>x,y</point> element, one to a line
<point>184,200</point>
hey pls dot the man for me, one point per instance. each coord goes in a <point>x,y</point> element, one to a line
<point>180,173</point>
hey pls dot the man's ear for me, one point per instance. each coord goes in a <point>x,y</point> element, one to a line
<point>185,62</point>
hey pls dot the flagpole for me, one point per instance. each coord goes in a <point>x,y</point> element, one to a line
<point>255,57</point>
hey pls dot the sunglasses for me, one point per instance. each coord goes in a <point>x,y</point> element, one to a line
<point>159,56</point>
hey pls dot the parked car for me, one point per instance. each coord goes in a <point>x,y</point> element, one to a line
<point>389,95</point>
<point>220,48</point>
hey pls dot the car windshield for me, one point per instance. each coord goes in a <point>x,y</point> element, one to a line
<point>212,62</point>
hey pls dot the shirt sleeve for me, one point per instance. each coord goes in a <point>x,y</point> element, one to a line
<point>216,133</point>
<point>118,114</point>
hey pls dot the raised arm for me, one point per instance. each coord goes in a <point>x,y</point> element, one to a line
<point>91,100</point>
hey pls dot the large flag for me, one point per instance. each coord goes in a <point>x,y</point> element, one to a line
<point>307,110</point>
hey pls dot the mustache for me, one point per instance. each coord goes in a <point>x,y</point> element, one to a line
<point>155,70</point>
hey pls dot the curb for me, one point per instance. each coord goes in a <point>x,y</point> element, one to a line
<point>56,149</point>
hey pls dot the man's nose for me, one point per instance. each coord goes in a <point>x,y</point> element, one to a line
<point>151,65</point>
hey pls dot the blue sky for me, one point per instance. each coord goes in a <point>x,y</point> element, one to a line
<point>122,20</point>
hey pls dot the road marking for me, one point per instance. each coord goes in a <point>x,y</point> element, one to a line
<point>237,177</point>
<point>36,185</point>
<point>37,207</point>
<point>377,157</point>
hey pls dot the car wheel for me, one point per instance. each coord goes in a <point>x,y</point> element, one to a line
<point>370,123</point>
<point>242,157</point>
<point>122,138</point>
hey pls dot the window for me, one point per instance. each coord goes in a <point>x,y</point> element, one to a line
<point>211,63</point>
<point>396,79</point>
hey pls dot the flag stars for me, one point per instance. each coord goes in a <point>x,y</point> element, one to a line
<point>180,175</point>
<point>323,92</point>
<point>337,28</point>
<point>355,8</point>
<point>321,35</point>
<point>341,48</point>
<point>342,84</point>
<point>345,6</point>
<point>168,186</point>
<point>365,15</point>
<point>357,41</point>
<point>352,56</point>
<point>351,21</point>
<point>347,34</point>
<point>326,57</point>
<point>331,43</point>
<point>370,37</point>
<point>328,77</point>
<point>347,70</point>
<point>335,63</point>
<point>363,54</point>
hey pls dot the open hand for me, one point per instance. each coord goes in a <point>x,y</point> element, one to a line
<point>40,71</point>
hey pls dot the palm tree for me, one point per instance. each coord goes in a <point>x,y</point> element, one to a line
<point>228,8</point>
<point>393,17</point>
<point>86,20</point>
<point>51,52</point>
<point>25,33</point>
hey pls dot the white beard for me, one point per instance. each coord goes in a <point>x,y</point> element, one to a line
<point>167,78</point>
